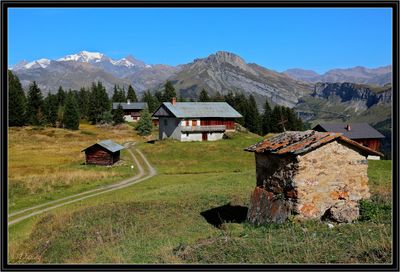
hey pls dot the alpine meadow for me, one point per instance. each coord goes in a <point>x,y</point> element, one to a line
<point>216,148</point>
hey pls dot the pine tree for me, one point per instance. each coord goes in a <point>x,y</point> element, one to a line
<point>17,101</point>
<point>252,117</point>
<point>83,102</point>
<point>119,95</point>
<point>145,125</point>
<point>34,105</point>
<point>276,119</point>
<point>150,100</point>
<point>217,97</point>
<point>169,92</point>
<point>131,94</point>
<point>98,102</point>
<point>118,115</point>
<point>71,114</point>
<point>203,97</point>
<point>266,118</point>
<point>61,96</point>
<point>51,109</point>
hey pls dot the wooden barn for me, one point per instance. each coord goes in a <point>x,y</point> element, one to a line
<point>105,152</point>
<point>132,110</point>
<point>362,133</point>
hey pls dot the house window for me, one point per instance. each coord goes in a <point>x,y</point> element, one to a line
<point>187,123</point>
<point>165,122</point>
<point>194,123</point>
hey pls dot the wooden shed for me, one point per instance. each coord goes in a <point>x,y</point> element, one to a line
<point>309,174</point>
<point>105,152</point>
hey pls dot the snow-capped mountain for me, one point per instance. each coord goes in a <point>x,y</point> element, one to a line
<point>95,66</point>
<point>40,63</point>
<point>84,56</point>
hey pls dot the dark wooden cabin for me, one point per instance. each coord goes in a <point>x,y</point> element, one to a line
<point>105,152</point>
<point>361,133</point>
<point>132,110</point>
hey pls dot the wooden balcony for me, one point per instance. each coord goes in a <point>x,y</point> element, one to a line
<point>203,128</point>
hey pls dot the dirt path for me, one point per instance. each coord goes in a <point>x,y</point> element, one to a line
<point>141,176</point>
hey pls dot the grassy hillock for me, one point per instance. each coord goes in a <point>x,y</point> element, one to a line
<point>171,218</point>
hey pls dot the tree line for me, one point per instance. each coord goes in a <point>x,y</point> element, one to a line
<point>66,108</point>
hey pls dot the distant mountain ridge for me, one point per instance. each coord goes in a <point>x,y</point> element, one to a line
<point>221,72</point>
<point>81,69</point>
<point>376,76</point>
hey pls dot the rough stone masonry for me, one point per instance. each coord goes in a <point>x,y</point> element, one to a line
<point>308,175</point>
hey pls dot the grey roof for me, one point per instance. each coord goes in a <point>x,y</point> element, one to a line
<point>130,106</point>
<point>201,109</point>
<point>109,145</point>
<point>357,130</point>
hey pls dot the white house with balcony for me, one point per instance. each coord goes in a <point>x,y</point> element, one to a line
<point>195,121</point>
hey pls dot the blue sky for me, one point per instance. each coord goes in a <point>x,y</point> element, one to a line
<point>308,38</point>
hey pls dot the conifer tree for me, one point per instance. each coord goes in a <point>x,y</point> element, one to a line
<point>131,94</point>
<point>145,125</point>
<point>98,103</point>
<point>119,95</point>
<point>150,100</point>
<point>217,97</point>
<point>35,105</point>
<point>61,96</point>
<point>83,102</point>
<point>266,118</point>
<point>17,101</point>
<point>203,97</point>
<point>51,109</point>
<point>71,114</point>
<point>169,92</point>
<point>276,118</point>
<point>118,115</point>
<point>252,117</point>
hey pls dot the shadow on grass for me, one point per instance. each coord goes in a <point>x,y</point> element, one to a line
<point>226,213</point>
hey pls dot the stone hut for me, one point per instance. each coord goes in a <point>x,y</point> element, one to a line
<point>308,174</point>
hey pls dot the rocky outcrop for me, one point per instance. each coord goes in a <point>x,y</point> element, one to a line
<point>353,92</point>
<point>368,95</point>
<point>225,72</point>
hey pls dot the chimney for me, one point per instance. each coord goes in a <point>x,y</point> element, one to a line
<point>128,101</point>
<point>174,101</point>
<point>348,127</point>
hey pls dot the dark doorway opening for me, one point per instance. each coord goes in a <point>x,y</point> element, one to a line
<point>204,136</point>
<point>226,213</point>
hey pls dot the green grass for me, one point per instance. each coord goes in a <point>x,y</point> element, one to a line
<point>50,165</point>
<point>160,221</point>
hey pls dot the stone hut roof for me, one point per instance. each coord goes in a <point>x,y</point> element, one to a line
<point>352,130</point>
<point>300,142</point>
<point>109,145</point>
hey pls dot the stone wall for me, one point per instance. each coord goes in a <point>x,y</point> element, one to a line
<point>327,181</point>
<point>334,174</point>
